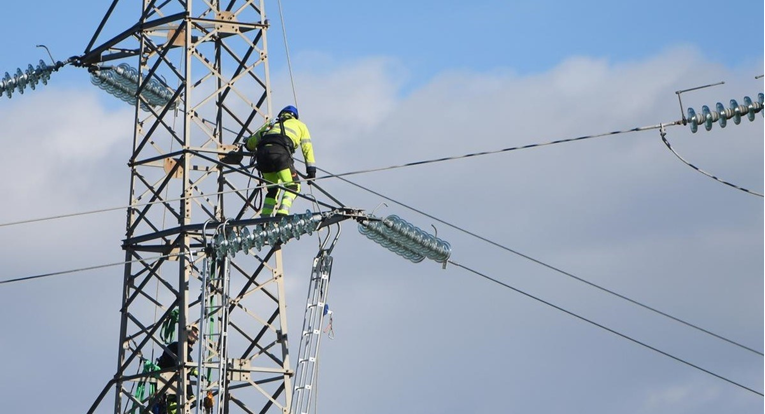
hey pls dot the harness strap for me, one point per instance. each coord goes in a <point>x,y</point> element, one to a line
<point>280,139</point>
<point>277,139</point>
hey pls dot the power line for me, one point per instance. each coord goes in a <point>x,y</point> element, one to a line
<point>666,142</point>
<point>477,154</point>
<point>629,338</point>
<point>340,176</point>
<point>108,209</point>
<point>539,262</point>
<point>82,269</point>
<point>490,279</point>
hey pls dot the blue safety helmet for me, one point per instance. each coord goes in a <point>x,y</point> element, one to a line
<point>291,110</point>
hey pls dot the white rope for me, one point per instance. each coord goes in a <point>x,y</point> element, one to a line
<point>287,51</point>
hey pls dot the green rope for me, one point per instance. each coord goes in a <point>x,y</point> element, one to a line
<point>168,327</point>
<point>140,391</point>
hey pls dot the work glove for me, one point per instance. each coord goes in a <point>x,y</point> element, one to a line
<point>233,157</point>
<point>311,173</point>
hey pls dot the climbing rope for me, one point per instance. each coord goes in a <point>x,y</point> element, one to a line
<point>140,392</point>
<point>287,51</point>
<point>167,334</point>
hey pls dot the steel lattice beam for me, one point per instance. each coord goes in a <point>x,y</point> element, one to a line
<point>213,56</point>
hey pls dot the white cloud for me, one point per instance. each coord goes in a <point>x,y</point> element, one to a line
<point>681,398</point>
<point>64,142</point>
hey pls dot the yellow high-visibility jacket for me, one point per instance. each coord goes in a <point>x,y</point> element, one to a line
<point>295,130</point>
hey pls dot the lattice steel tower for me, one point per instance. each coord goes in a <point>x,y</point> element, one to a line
<point>198,70</point>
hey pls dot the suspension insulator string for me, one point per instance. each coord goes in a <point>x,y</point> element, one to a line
<point>29,77</point>
<point>122,81</point>
<point>231,240</point>
<point>406,239</point>
<point>721,115</point>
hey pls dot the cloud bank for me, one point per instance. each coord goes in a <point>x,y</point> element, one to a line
<point>620,211</point>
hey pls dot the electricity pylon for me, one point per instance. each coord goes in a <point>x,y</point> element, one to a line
<point>202,84</point>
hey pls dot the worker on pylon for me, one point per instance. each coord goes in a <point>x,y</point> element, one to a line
<point>275,143</point>
<point>169,404</point>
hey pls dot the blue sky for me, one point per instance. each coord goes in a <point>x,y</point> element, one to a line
<point>523,36</point>
<point>395,82</point>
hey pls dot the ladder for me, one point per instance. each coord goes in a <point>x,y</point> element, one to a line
<point>213,322</point>
<point>316,309</point>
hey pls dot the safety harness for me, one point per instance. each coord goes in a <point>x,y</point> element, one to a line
<point>280,139</point>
